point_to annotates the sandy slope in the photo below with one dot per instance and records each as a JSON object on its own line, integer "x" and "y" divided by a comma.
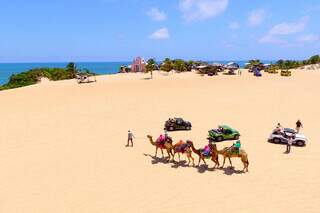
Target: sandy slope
{"x": 62, "y": 145}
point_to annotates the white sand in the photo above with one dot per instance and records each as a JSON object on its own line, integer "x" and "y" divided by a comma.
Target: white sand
{"x": 62, "y": 145}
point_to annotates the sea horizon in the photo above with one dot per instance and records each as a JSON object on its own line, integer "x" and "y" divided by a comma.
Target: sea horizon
{"x": 102, "y": 68}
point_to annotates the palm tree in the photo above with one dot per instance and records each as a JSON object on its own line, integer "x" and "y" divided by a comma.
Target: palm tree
{"x": 151, "y": 65}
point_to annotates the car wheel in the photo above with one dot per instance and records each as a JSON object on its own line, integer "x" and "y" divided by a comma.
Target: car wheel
{"x": 300, "y": 143}
{"x": 236, "y": 137}
{"x": 276, "y": 140}
{"x": 171, "y": 128}
{"x": 220, "y": 138}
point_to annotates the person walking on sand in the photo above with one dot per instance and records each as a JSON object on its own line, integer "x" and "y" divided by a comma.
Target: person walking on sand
{"x": 289, "y": 144}
{"x": 130, "y": 138}
{"x": 298, "y": 126}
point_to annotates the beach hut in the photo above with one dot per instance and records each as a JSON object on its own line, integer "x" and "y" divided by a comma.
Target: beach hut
{"x": 138, "y": 65}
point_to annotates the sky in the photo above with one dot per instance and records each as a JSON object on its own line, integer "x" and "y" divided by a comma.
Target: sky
{"x": 119, "y": 30}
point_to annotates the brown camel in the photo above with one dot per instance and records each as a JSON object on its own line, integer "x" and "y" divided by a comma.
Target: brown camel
{"x": 228, "y": 153}
{"x": 184, "y": 148}
{"x": 198, "y": 152}
{"x": 167, "y": 145}
{"x": 214, "y": 155}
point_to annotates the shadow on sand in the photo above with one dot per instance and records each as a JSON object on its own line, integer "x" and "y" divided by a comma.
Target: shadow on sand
{"x": 200, "y": 169}
{"x": 156, "y": 160}
{"x": 230, "y": 171}
{"x": 146, "y": 78}
{"x": 182, "y": 163}
{"x": 203, "y": 168}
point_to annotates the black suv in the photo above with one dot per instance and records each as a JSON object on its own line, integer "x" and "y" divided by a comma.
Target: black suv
{"x": 177, "y": 124}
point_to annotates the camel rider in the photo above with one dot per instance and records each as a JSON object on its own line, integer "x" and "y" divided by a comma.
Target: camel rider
{"x": 237, "y": 146}
{"x": 206, "y": 151}
{"x": 165, "y": 133}
{"x": 161, "y": 139}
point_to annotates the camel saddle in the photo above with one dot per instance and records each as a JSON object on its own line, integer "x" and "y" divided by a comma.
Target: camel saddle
{"x": 182, "y": 147}
{"x": 161, "y": 141}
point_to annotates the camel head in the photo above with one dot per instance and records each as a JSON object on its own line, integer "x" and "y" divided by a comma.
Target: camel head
{"x": 149, "y": 136}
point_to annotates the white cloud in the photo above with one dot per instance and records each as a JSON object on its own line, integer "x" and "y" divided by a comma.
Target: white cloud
{"x": 156, "y": 15}
{"x": 162, "y": 33}
{"x": 286, "y": 28}
{"x": 272, "y": 40}
{"x": 234, "y": 25}
{"x": 193, "y": 10}
{"x": 308, "y": 38}
{"x": 256, "y": 17}
{"x": 283, "y": 29}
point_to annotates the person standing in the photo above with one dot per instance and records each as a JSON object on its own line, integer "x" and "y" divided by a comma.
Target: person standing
{"x": 298, "y": 126}
{"x": 279, "y": 128}
{"x": 289, "y": 144}
{"x": 130, "y": 138}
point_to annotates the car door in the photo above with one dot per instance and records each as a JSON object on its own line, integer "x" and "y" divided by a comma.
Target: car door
{"x": 228, "y": 134}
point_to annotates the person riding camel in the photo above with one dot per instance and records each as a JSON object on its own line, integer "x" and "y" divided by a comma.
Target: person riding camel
{"x": 206, "y": 151}
{"x": 237, "y": 145}
{"x": 161, "y": 140}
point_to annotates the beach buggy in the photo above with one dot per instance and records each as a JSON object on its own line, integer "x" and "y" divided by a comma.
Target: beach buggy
{"x": 177, "y": 124}
{"x": 277, "y": 136}
{"x": 223, "y": 132}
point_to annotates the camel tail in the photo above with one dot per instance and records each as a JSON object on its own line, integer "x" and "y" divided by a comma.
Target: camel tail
{"x": 247, "y": 162}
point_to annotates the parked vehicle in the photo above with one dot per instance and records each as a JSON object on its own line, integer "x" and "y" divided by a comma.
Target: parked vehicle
{"x": 299, "y": 139}
{"x": 223, "y": 132}
{"x": 285, "y": 73}
{"x": 177, "y": 124}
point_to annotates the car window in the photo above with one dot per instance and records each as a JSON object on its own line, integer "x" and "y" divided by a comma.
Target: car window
{"x": 227, "y": 131}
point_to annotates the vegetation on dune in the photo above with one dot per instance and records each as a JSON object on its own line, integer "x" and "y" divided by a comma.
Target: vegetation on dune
{"x": 167, "y": 65}
{"x": 32, "y": 76}
{"x": 288, "y": 64}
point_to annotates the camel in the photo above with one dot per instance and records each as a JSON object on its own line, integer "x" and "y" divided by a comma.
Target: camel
{"x": 214, "y": 157}
{"x": 183, "y": 147}
{"x": 227, "y": 153}
{"x": 167, "y": 145}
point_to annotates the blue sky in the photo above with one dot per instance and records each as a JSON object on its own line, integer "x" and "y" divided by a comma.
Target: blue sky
{"x": 114, "y": 30}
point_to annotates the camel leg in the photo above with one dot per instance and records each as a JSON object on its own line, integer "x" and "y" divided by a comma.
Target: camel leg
{"x": 156, "y": 152}
{"x": 169, "y": 155}
{"x": 205, "y": 163}
{"x": 199, "y": 160}
{"x": 162, "y": 153}
{"x": 179, "y": 156}
{"x": 192, "y": 160}
{"x": 188, "y": 159}
{"x": 217, "y": 162}
{"x": 173, "y": 156}
{"x": 224, "y": 161}
{"x": 230, "y": 161}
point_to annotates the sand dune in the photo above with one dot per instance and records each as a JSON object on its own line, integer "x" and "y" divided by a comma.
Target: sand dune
{"x": 62, "y": 144}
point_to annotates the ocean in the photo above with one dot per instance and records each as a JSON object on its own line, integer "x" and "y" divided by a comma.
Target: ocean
{"x": 7, "y": 69}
